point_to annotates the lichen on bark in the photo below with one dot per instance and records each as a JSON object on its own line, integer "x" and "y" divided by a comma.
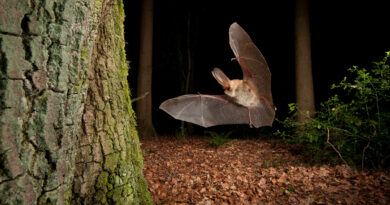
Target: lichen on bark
{"x": 52, "y": 53}
{"x": 108, "y": 123}
{"x": 40, "y": 113}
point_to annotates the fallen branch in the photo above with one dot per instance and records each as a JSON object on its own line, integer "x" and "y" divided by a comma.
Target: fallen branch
{"x": 139, "y": 98}
{"x": 327, "y": 140}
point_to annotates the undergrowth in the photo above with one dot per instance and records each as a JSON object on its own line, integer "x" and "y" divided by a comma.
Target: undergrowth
{"x": 218, "y": 139}
{"x": 352, "y": 126}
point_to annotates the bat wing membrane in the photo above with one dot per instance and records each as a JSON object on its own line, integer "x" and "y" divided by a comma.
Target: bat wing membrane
{"x": 252, "y": 62}
{"x": 212, "y": 110}
{"x": 205, "y": 110}
{"x": 262, "y": 115}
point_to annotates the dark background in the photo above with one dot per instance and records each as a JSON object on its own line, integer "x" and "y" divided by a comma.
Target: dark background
{"x": 342, "y": 35}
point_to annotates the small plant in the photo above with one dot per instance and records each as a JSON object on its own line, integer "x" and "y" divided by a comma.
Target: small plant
{"x": 218, "y": 139}
{"x": 290, "y": 189}
{"x": 353, "y": 125}
{"x": 181, "y": 133}
{"x": 273, "y": 162}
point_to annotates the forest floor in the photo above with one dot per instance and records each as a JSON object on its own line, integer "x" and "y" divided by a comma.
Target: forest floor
{"x": 250, "y": 171}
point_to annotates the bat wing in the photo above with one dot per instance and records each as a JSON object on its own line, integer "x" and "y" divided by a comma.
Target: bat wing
{"x": 211, "y": 110}
{"x": 262, "y": 115}
{"x": 254, "y": 67}
{"x": 206, "y": 110}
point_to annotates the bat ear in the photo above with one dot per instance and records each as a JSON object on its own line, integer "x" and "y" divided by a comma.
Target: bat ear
{"x": 221, "y": 78}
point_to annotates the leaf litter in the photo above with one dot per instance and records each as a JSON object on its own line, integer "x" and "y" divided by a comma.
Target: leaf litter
{"x": 250, "y": 171}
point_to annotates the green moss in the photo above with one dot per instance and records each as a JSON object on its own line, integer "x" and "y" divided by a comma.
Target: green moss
{"x": 101, "y": 197}
{"x": 67, "y": 196}
{"x": 122, "y": 181}
{"x": 99, "y": 5}
{"x": 111, "y": 162}
{"x": 84, "y": 53}
{"x": 117, "y": 196}
{"x": 102, "y": 180}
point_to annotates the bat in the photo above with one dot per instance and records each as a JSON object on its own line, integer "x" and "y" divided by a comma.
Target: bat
{"x": 246, "y": 101}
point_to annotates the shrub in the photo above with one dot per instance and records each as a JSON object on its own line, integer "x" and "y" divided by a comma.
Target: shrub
{"x": 353, "y": 125}
{"x": 218, "y": 139}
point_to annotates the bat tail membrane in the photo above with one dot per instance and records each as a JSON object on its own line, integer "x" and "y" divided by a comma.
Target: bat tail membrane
{"x": 221, "y": 78}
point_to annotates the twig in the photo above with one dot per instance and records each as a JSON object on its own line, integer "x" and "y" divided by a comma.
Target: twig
{"x": 364, "y": 150}
{"x": 139, "y": 98}
{"x": 341, "y": 157}
{"x": 365, "y": 147}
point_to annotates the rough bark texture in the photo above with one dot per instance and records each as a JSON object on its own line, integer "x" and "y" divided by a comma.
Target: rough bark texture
{"x": 303, "y": 72}
{"x": 144, "y": 84}
{"x": 48, "y": 59}
{"x": 109, "y": 139}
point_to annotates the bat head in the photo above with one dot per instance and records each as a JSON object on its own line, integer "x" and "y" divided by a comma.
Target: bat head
{"x": 242, "y": 93}
{"x": 233, "y": 87}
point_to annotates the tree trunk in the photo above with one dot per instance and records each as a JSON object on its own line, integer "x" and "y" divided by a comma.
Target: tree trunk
{"x": 186, "y": 127}
{"x": 67, "y": 131}
{"x": 144, "y": 84}
{"x": 303, "y": 69}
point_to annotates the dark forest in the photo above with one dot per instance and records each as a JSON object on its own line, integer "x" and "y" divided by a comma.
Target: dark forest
{"x": 343, "y": 34}
{"x": 82, "y": 83}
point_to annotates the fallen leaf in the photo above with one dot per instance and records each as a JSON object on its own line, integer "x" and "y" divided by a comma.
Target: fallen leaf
{"x": 191, "y": 172}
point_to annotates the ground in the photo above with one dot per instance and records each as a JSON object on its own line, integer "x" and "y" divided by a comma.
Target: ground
{"x": 249, "y": 171}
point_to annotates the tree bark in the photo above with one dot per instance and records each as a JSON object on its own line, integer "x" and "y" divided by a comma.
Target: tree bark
{"x": 144, "y": 84}
{"x": 67, "y": 131}
{"x": 303, "y": 68}
{"x": 187, "y": 128}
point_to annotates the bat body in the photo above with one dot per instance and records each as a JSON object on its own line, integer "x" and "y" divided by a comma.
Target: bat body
{"x": 246, "y": 101}
{"x": 241, "y": 92}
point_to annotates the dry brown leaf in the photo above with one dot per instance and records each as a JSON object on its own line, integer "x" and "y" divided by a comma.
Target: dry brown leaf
{"x": 283, "y": 178}
{"x": 233, "y": 187}
{"x": 193, "y": 172}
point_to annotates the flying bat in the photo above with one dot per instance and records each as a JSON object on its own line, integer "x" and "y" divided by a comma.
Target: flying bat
{"x": 246, "y": 101}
